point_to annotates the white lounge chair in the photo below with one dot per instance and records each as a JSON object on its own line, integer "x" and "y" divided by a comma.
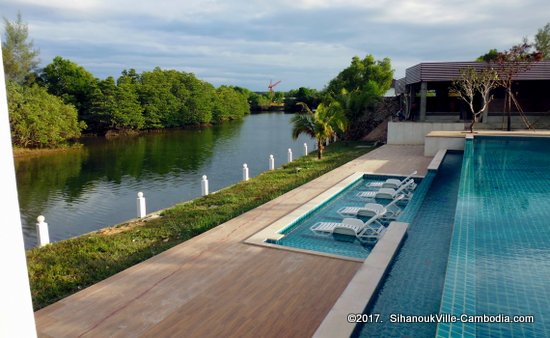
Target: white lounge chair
{"x": 389, "y": 193}
{"x": 368, "y": 231}
{"x": 389, "y": 211}
{"x": 391, "y": 182}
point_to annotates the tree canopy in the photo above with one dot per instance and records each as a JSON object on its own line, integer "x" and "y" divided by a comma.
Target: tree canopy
{"x": 230, "y": 104}
{"x": 361, "y": 73}
{"x": 116, "y": 107}
{"x": 359, "y": 89}
{"x": 149, "y": 100}
{"x": 491, "y": 55}
{"x": 508, "y": 64}
{"x": 74, "y": 84}
{"x": 18, "y": 53}
{"x": 542, "y": 41}
{"x": 39, "y": 119}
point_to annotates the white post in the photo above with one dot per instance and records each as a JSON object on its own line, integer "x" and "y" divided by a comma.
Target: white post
{"x": 204, "y": 185}
{"x": 42, "y": 231}
{"x": 289, "y": 155}
{"x": 16, "y": 313}
{"x": 334, "y": 138}
{"x": 245, "y": 172}
{"x": 271, "y": 162}
{"x": 327, "y": 141}
{"x": 141, "y": 211}
{"x": 305, "y": 149}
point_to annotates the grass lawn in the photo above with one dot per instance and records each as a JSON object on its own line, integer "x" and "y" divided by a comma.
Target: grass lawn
{"x": 62, "y": 268}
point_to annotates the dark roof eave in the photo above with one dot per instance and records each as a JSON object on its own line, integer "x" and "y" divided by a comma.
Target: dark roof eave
{"x": 449, "y": 71}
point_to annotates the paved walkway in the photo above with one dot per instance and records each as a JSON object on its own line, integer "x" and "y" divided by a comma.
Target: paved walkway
{"x": 214, "y": 285}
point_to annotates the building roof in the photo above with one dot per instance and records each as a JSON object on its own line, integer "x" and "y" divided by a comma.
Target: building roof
{"x": 450, "y": 71}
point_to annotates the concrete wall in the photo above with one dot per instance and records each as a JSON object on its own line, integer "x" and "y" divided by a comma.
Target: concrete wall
{"x": 414, "y": 132}
{"x": 434, "y": 144}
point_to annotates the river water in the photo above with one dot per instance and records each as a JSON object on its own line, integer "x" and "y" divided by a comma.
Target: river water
{"x": 88, "y": 189}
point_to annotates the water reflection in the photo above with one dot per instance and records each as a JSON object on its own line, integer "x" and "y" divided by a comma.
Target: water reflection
{"x": 86, "y": 189}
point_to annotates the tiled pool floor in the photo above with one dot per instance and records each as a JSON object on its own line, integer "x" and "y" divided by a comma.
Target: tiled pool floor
{"x": 499, "y": 260}
{"x": 415, "y": 282}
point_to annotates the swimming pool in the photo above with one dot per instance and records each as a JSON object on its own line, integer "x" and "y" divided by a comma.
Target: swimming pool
{"x": 499, "y": 259}
{"x": 414, "y": 282}
{"x": 299, "y": 235}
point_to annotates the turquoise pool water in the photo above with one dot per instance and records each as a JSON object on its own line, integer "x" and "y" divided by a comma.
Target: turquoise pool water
{"x": 414, "y": 283}
{"x": 499, "y": 259}
{"x": 299, "y": 235}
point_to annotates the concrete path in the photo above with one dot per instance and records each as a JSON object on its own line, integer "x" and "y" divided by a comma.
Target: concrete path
{"x": 214, "y": 285}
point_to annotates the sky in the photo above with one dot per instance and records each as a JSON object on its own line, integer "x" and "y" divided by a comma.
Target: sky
{"x": 247, "y": 43}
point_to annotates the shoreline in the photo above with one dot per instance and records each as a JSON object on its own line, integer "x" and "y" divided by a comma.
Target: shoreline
{"x": 23, "y": 153}
{"x": 20, "y": 153}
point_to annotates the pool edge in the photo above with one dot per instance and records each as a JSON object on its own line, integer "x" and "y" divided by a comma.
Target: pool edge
{"x": 363, "y": 285}
{"x": 274, "y": 231}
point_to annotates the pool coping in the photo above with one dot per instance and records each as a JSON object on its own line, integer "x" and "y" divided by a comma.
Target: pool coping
{"x": 438, "y": 158}
{"x": 272, "y": 231}
{"x": 487, "y": 132}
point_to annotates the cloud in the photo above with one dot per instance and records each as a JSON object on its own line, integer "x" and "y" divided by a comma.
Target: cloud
{"x": 79, "y": 6}
{"x": 247, "y": 43}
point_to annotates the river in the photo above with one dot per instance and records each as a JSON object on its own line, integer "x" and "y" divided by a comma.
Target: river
{"x": 83, "y": 190}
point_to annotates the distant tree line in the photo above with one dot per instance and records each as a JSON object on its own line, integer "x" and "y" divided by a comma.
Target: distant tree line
{"x": 309, "y": 96}
{"x": 57, "y": 103}
{"x": 150, "y": 100}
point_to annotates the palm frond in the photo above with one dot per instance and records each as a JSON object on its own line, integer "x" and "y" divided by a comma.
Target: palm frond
{"x": 302, "y": 124}
{"x": 321, "y": 124}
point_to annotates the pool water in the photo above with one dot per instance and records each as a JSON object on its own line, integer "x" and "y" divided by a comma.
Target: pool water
{"x": 299, "y": 235}
{"x": 499, "y": 260}
{"x": 414, "y": 283}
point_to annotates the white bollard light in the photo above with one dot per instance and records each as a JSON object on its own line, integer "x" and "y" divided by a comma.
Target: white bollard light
{"x": 204, "y": 185}
{"x": 141, "y": 210}
{"x": 289, "y": 155}
{"x": 271, "y": 162}
{"x": 245, "y": 172}
{"x": 42, "y": 231}
{"x": 305, "y": 149}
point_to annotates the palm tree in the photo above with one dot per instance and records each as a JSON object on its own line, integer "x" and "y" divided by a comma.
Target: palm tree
{"x": 321, "y": 124}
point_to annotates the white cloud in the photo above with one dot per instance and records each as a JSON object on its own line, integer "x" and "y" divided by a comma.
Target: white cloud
{"x": 302, "y": 42}
{"x": 80, "y": 5}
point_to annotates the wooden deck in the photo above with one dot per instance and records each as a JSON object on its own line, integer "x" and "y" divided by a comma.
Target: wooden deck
{"x": 214, "y": 285}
